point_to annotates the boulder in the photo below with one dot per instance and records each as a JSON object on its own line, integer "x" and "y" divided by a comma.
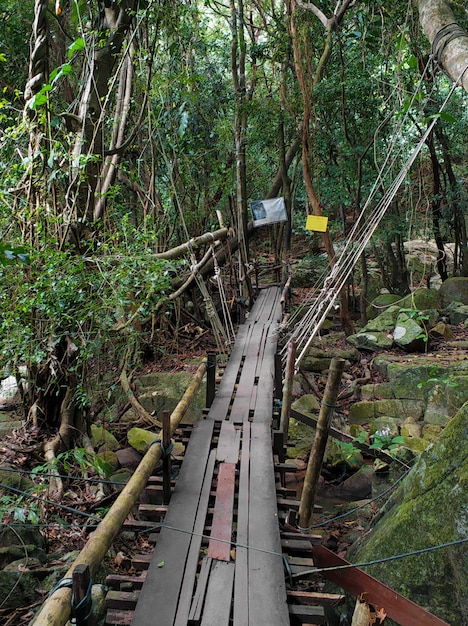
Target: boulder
{"x": 102, "y": 439}
{"x": 457, "y": 313}
{"x": 385, "y": 321}
{"x": 412, "y": 520}
{"x": 372, "y": 341}
{"x": 454, "y": 290}
{"x": 380, "y": 304}
{"x": 410, "y": 335}
{"x": 140, "y": 439}
{"x": 422, "y": 299}
{"x": 365, "y": 411}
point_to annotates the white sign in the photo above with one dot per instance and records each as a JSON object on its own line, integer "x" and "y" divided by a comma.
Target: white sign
{"x": 268, "y": 212}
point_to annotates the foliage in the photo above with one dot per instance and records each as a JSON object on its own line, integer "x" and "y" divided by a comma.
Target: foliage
{"x": 380, "y": 440}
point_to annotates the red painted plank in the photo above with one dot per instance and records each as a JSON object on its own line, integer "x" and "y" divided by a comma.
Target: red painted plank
{"x": 355, "y": 581}
{"x": 222, "y": 517}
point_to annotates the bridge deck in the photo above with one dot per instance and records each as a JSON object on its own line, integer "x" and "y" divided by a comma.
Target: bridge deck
{"x": 218, "y": 560}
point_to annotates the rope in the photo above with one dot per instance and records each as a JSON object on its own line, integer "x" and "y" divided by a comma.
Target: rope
{"x": 315, "y": 569}
{"x": 447, "y": 33}
{"x": 165, "y": 452}
{"x": 355, "y": 245}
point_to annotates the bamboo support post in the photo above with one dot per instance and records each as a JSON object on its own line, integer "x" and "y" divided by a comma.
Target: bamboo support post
{"x": 56, "y": 609}
{"x": 166, "y": 469}
{"x": 317, "y": 453}
{"x": 287, "y": 391}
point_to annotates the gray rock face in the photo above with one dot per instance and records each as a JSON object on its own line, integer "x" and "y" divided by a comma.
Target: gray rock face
{"x": 412, "y": 521}
{"x": 409, "y": 335}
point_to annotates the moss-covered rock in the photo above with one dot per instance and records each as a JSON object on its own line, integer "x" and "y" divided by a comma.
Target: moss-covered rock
{"x": 365, "y": 411}
{"x": 372, "y": 341}
{"x": 422, "y": 299}
{"x": 385, "y": 321}
{"x": 140, "y": 439}
{"x": 454, "y": 290}
{"x": 162, "y": 391}
{"x": 381, "y": 303}
{"x": 409, "y": 334}
{"x": 412, "y": 521}
{"x": 102, "y": 439}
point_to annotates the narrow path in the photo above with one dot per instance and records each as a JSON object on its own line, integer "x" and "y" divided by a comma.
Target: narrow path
{"x": 236, "y": 576}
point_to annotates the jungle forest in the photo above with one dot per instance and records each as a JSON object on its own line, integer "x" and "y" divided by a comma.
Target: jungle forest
{"x": 136, "y": 134}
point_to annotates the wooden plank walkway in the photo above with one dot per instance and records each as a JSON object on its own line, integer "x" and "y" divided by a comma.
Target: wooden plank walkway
{"x": 218, "y": 559}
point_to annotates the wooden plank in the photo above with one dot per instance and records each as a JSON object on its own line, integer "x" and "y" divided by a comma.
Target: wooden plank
{"x": 218, "y": 599}
{"x": 302, "y": 614}
{"x": 118, "y": 618}
{"x": 125, "y": 600}
{"x": 241, "y": 579}
{"x": 221, "y": 527}
{"x": 267, "y": 589}
{"x": 228, "y": 444}
{"x": 356, "y": 581}
{"x": 314, "y": 598}
{"x": 165, "y": 574}
{"x": 196, "y": 608}
{"x": 117, "y": 581}
{"x": 186, "y": 591}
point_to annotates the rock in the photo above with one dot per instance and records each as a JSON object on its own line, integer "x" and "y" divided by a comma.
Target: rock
{"x": 109, "y": 457}
{"x": 18, "y": 588}
{"x": 21, "y": 535}
{"x": 363, "y": 412}
{"x": 441, "y": 330}
{"x": 103, "y": 439}
{"x": 307, "y": 403}
{"x": 422, "y": 299}
{"x": 129, "y": 458}
{"x": 140, "y": 439}
{"x": 457, "y": 313}
{"x": 377, "y": 390}
{"x": 414, "y": 380}
{"x": 409, "y": 335}
{"x": 373, "y": 342}
{"x": 454, "y": 290}
{"x": 9, "y": 396}
{"x": 412, "y": 520}
{"x": 162, "y": 391}
{"x": 120, "y": 479}
{"x": 11, "y": 478}
{"x": 12, "y": 553}
{"x": 380, "y": 304}
{"x": 357, "y": 487}
{"x": 383, "y": 322}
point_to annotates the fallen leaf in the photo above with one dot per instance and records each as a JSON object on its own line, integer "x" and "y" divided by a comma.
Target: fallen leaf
{"x": 161, "y": 564}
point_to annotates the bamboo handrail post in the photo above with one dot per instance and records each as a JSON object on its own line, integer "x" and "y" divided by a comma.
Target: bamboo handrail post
{"x": 166, "y": 469}
{"x": 287, "y": 391}
{"x": 317, "y": 453}
{"x": 57, "y": 608}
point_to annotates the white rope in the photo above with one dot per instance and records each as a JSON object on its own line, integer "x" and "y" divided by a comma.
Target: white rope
{"x": 355, "y": 245}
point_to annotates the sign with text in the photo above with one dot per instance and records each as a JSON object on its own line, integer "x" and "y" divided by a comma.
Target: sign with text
{"x": 268, "y": 212}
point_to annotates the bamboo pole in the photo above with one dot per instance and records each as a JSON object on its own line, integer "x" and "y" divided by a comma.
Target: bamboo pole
{"x": 317, "y": 453}
{"x": 57, "y": 608}
{"x": 287, "y": 391}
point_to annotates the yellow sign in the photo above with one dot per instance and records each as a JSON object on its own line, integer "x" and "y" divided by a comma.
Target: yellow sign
{"x": 317, "y": 222}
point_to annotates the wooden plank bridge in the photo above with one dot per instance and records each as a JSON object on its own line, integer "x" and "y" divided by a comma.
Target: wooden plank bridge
{"x": 220, "y": 548}
{"x": 218, "y": 553}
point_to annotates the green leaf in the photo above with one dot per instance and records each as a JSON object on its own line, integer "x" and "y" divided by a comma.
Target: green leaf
{"x": 76, "y": 46}
{"x": 448, "y": 118}
{"x": 161, "y": 564}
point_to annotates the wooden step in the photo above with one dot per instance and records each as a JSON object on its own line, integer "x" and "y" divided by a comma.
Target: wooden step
{"x": 302, "y": 614}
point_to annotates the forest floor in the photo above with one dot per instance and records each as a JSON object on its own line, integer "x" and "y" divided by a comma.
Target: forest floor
{"x": 193, "y": 344}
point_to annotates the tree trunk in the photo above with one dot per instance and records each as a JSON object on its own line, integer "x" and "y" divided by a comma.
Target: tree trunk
{"x": 448, "y": 40}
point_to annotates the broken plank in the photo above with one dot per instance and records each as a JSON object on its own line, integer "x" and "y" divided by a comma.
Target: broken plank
{"x": 188, "y": 583}
{"x": 315, "y": 598}
{"x": 196, "y": 608}
{"x": 218, "y": 599}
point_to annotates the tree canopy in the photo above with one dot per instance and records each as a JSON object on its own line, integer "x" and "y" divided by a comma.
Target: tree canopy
{"x": 129, "y": 128}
